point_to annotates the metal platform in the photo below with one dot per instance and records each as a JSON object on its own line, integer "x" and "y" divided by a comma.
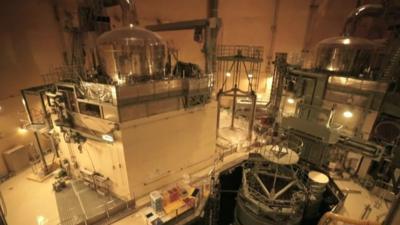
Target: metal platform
{"x": 79, "y": 204}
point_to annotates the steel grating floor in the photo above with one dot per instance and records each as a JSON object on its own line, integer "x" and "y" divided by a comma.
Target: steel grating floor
{"x": 69, "y": 210}
{"x": 78, "y": 203}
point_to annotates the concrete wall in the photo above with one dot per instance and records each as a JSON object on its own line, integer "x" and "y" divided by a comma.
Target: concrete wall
{"x": 31, "y": 41}
{"x": 10, "y": 134}
{"x": 29, "y": 45}
{"x": 161, "y": 148}
{"x": 104, "y": 158}
{"x": 249, "y": 23}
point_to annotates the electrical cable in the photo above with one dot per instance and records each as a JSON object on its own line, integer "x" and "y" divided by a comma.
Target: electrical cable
{"x": 90, "y": 158}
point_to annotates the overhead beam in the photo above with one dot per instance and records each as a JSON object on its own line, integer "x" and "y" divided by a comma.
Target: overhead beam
{"x": 182, "y": 25}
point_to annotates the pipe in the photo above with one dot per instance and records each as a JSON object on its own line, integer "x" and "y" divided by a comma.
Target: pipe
{"x": 129, "y": 12}
{"x": 336, "y": 217}
{"x": 394, "y": 212}
{"x": 368, "y": 10}
{"x": 309, "y": 25}
{"x": 273, "y": 34}
{"x": 211, "y": 34}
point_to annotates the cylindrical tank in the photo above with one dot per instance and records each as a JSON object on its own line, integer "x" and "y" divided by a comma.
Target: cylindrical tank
{"x": 132, "y": 54}
{"x": 318, "y": 182}
{"x": 346, "y": 56}
{"x": 317, "y": 186}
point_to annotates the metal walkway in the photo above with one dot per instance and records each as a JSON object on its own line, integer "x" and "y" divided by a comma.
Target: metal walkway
{"x": 79, "y": 204}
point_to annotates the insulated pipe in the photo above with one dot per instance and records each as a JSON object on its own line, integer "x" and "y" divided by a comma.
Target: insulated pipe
{"x": 371, "y": 10}
{"x": 309, "y": 25}
{"x": 273, "y": 28}
{"x": 394, "y": 212}
{"x": 129, "y": 12}
{"x": 211, "y": 35}
{"x": 335, "y": 217}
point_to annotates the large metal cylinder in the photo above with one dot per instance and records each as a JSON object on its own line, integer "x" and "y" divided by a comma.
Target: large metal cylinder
{"x": 347, "y": 56}
{"x": 130, "y": 53}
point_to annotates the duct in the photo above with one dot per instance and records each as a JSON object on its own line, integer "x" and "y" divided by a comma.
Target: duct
{"x": 371, "y": 10}
{"x": 365, "y": 148}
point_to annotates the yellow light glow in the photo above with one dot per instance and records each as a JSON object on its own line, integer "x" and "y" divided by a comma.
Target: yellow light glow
{"x": 41, "y": 220}
{"x": 290, "y": 100}
{"x": 228, "y": 74}
{"x": 268, "y": 85}
{"x": 108, "y": 137}
{"x": 120, "y": 81}
{"x": 330, "y": 68}
{"x": 343, "y": 80}
{"x": 346, "y": 41}
{"x": 348, "y": 114}
{"x": 22, "y": 130}
{"x": 250, "y": 75}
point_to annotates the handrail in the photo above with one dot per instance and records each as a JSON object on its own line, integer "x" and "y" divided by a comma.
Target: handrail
{"x": 336, "y": 217}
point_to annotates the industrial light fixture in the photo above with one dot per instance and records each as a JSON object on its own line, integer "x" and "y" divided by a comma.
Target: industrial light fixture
{"x": 346, "y": 41}
{"x": 22, "y": 130}
{"x": 107, "y": 137}
{"x": 347, "y": 114}
{"x": 120, "y": 80}
{"x": 250, "y": 76}
{"x": 228, "y": 74}
{"x": 290, "y": 101}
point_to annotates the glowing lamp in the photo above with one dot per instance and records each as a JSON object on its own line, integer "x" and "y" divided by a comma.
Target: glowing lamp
{"x": 107, "y": 137}
{"x": 346, "y": 41}
{"x": 348, "y": 114}
{"x": 22, "y": 130}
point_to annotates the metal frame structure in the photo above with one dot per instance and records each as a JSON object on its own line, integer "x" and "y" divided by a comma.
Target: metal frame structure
{"x": 272, "y": 190}
{"x": 237, "y": 63}
{"x": 251, "y": 56}
{"x": 36, "y": 127}
{"x": 210, "y": 25}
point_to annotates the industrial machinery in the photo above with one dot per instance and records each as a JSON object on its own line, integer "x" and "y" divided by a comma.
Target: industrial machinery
{"x": 279, "y": 189}
{"x": 342, "y": 100}
{"x": 124, "y": 126}
{"x": 343, "y": 110}
{"x": 105, "y": 120}
{"x": 236, "y": 61}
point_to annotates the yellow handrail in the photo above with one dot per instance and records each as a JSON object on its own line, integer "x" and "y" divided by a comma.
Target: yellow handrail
{"x": 337, "y": 217}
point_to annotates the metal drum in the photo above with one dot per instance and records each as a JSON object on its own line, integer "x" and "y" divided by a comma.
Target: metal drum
{"x": 318, "y": 182}
{"x": 317, "y": 186}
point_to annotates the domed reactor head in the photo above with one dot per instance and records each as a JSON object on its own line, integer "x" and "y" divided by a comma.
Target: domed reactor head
{"x": 132, "y": 54}
{"x": 347, "y": 56}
